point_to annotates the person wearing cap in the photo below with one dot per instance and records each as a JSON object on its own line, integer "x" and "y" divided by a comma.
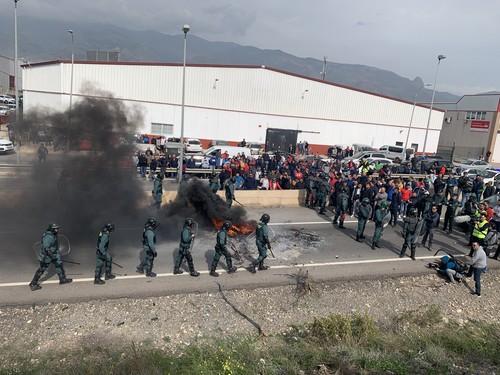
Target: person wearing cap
{"x": 481, "y": 228}
{"x": 49, "y": 254}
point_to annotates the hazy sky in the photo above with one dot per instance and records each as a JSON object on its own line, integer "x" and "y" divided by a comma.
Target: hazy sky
{"x": 402, "y": 36}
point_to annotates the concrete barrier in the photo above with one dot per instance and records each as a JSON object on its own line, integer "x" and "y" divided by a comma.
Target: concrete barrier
{"x": 257, "y": 198}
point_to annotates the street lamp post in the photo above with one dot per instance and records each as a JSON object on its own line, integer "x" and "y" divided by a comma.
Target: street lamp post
{"x": 185, "y": 29}
{"x": 71, "y": 82}
{"x": 413, "y": 112}
{"x": 440, "y": 57}
{"x": 16, "y": 90}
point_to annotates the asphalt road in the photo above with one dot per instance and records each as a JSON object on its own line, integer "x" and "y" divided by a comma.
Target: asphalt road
{"x": 301, "y": 239}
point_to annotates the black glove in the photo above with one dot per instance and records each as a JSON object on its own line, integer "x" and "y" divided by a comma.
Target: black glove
{"x": 155, "y": 254}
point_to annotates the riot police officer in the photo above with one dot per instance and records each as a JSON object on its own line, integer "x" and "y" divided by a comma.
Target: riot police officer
{"x": 103, "y": 258}
{"x": 187, "y": 238}
{"x": 214, "y": 183}
{"x": 149, "y": 248}
{"x": 229, "y": 191}
{"x": 378, "y": 218}
{"x": 364, "y": 214}
{"x": 262, "y": 242}
{"x": 221, "y": 249}
{"x": 411, "y": 229}
{"x": 158, "y": 190}
{"x": 342, "y": 205}
{"x": 49, "y": 254}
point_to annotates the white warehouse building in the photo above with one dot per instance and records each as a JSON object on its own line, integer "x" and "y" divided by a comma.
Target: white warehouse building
{"x": 232, "y": 102}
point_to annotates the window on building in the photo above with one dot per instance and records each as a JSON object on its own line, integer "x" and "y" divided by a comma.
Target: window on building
{"x": 162, "y": 129}
{"x": 475, "y": 116}
{"x": 399, "y": 143}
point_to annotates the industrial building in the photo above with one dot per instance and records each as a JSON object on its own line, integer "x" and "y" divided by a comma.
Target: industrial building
{"x": 470, "y": 127}
{"x": 232, "y": 102}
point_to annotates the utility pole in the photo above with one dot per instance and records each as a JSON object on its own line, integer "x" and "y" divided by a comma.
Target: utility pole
{"x": 323, "y": 72}
{"x": 185, "y": 30}
{"x": 16, "y": 78}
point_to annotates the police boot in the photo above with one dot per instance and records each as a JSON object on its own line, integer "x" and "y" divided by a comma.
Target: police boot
{"x": 99, "y": 281}
{"x": 150, "y": 274}
{"x": 192, "y": 271}
{"x": 252, "y": 267}
{"x": 109, "y": 276}
{"x": 178, "y": 271}
{"x": 373, "y": 245}
{"x": 403, "y": 251}
{"x": 262, "y": 267}
{"x": 34, "y": 285}
{"x": 63, "y": 279}
{"x": 213, "y": 272}
{"x": 358, "y": 238}
{"x": 413, "y": 248}
{"x": 139, "y": 270}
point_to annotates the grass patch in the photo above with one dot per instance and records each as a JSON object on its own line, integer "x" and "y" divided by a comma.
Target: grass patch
{"x": 418, "y": 342}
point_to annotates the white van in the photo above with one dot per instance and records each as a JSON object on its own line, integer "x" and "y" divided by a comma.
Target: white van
{"x": 394, "y": 152}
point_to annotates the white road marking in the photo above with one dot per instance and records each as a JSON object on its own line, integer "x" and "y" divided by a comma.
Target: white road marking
{"x": 309, "y": 223}
{"x": 306, "y": 265}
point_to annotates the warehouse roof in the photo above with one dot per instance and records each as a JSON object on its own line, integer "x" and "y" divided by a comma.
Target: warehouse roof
{"x": 146, "y": 63}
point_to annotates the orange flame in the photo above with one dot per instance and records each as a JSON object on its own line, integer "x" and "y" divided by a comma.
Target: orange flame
{"x": 236, "y": 229}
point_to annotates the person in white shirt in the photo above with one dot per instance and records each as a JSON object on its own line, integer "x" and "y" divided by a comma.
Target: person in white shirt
{"x": 477, "y": 267}
{"x": 264, "y": 183}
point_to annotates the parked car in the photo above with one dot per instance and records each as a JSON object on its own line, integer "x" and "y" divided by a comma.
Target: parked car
{"x": 174, "y": 140}
{"x": 6, "y": 146}
{"x": 489, "y": 175}
{"x": 255, "y": 148}
{"x": 4, "y": 110}
{"x": 472, "y": 164}
{"x": 6, "y": 99}
{"x": 217, "y": 142}
{"x": 383, "y": 161}
{"x": 192, "y": 145}
{"x": 394, "y": 152}
{"x": 356, "y": 158}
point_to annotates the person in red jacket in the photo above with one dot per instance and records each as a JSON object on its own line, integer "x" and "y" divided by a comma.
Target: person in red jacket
{"x": 405, "y": 197}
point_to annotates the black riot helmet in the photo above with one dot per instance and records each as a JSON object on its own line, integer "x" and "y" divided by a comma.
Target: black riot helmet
{"x": 227, "y": 224}
{"x": 265, "y": 218}
{"x": 109, "y": 227}
{"x": 159, "y": 176}
{"x": 188, "y": 222}
{"x": 412, "y": 211}
{"x": 152, "y": 223}
{"x": 54, "y": 228}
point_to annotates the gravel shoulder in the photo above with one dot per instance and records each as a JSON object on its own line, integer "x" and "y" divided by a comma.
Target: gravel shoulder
{"x": 170, "y": 321}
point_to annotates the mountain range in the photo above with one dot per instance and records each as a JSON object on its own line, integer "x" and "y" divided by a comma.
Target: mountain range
{"x": 41, "y": 39}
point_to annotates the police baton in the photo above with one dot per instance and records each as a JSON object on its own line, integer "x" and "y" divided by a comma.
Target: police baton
{"x": 241, "y": 204}
{"x": 71, "y": 262}
{"x": 117, "y": 265}
{"x": 271, "y": 251}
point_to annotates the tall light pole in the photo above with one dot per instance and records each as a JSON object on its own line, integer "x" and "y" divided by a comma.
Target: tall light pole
{"x": 71, "y": 79}
{"x": 185, "y": 29}
{"x": 413, "y": 112}
{"x": 16, "y": 86}
{"x": 440, "y": 57}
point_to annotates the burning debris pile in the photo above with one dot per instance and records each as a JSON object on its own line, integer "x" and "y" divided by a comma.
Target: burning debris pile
{"x": 195, "y": 199}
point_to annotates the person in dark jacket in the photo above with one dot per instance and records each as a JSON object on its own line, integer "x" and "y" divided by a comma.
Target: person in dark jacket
{"x": 449, "y": 215}
{"x": 395, "y": 206}
{"x": 489, "y": 190}
{"x": 478, "y": 187}
{"x": 431, "y": 221}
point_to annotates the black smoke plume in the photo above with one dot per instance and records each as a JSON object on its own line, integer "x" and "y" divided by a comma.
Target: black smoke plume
{"x": 81, "y": 191}
{"x": 196, "y": 200}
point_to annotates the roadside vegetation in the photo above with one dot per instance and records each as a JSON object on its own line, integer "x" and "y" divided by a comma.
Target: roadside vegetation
{"x": 420, "y": 342}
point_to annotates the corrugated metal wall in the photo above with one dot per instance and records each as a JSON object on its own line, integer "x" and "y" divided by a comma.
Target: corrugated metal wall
{"x": 221, "y": 94}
